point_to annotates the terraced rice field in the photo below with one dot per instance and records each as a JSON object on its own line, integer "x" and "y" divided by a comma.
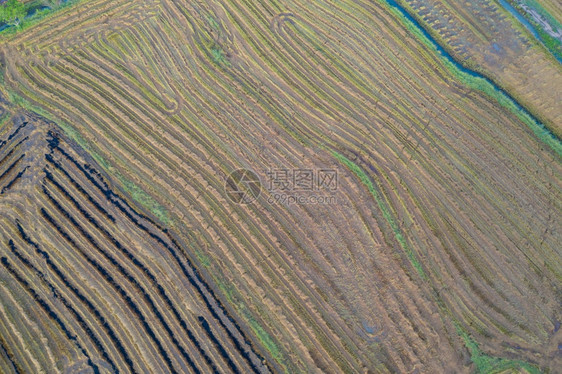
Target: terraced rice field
{"x": 79, "y": 232}
{"x": 438, "y": 252}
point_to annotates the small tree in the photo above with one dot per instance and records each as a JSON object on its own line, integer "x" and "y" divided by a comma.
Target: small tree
{"x": 12, "y": 12}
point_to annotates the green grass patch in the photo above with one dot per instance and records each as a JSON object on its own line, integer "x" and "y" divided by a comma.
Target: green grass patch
{"x": 143, "y": 198}
{"x": 4, "y": 118}
{"x": 218, "y": 55}
{"x": 213, "y": 23}
{"x": 12, "y": 12}
{"x": 203, "y": 258}
{"x": 264, "y": 338}
{"x": 24, "y": 22}
{"x": 486, "y": 364}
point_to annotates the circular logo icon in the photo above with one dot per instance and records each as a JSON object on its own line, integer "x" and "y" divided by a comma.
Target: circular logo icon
{"x": 243, "y": 186}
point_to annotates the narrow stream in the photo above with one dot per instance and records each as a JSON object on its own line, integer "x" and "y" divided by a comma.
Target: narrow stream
{"x": 448, "y": 56}
{"x": 520, "y": 18}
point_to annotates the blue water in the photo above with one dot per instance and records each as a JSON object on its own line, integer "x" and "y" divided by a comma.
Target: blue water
{"x": 463, "y": 68}
{"x": 520, "y": 18}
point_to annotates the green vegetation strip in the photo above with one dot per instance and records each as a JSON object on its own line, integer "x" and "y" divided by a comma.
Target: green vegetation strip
{"x": 483, "y": 363}
{"x": 136, "y": 192}
{"x": 263, "y": 336}
{"x": 364, "y": 178}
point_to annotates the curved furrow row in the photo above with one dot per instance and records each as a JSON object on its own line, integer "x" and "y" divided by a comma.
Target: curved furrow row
{"x": 47, "y": 310}
{"x": 438, "y": 216}
{"x": 123, "y": 209}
